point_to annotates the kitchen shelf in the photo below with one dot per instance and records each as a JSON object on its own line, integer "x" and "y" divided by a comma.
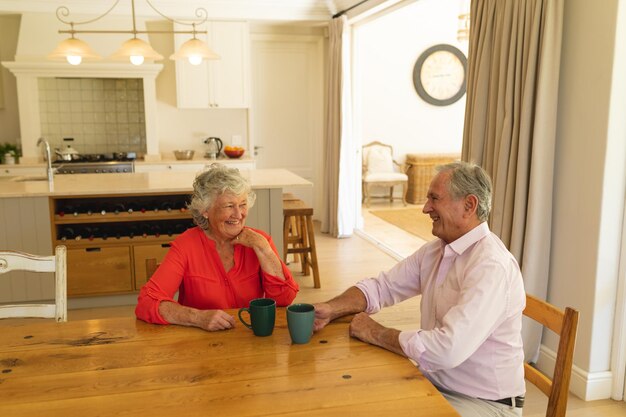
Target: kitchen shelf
{"x": 124, "y": 240}
{"x": 107, "y": 253}
{"x": 121, "y": 217}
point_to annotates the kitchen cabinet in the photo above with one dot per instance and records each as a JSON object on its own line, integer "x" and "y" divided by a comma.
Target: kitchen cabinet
{"x": 99, "y": 270}
{"x": 169, "y": 167}
{"x": 222, "y": 83}
{"x": 109, "y": 238}
{"x": 17, "y": 170}
{"x": 107, "y": 249}
{"x": 193, "y": 166}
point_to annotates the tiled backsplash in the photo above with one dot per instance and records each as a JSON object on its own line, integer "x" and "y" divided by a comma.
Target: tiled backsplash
{"x": 101, "y": 114}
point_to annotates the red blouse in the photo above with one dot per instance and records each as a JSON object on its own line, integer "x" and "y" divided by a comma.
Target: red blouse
{"x": 193, "y": 267}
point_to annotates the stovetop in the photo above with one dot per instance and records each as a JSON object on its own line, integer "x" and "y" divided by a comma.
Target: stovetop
{"x": 98, "y": 157}
{"x": 99, "y": 167}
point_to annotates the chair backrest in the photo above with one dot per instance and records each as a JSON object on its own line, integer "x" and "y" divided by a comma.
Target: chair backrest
{"x": 151, "y": 267}
{"x": 377, "y": 157}
{"x": 20, "y": 261}
{"x": 564, "y": 324}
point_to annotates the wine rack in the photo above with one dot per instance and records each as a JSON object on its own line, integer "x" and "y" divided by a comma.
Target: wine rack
{"x": 109, "y": 238}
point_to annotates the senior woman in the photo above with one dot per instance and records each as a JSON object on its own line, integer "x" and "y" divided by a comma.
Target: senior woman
{"x": 219, "y": 264}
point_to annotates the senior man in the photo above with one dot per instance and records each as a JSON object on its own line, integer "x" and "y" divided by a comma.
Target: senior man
{"x": 469, "y": 344}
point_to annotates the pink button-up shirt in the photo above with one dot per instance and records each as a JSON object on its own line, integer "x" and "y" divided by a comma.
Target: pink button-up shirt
{"x": 471, "y": 313}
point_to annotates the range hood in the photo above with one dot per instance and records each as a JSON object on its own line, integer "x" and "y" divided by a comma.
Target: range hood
{"x": 28, "y": 74}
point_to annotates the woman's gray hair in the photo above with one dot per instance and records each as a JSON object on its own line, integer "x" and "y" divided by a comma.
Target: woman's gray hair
{"x": 466, "y": 179}
{"x": 212, "y": 183}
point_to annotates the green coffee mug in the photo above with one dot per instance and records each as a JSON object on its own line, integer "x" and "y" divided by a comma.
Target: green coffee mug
{"x": 262, "y": 313}
{"x": 300, "y": 318}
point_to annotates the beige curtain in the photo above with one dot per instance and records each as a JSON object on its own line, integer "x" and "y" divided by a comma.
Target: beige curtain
{"x": 332, "y": 135}
{"x": 510, "y": 125}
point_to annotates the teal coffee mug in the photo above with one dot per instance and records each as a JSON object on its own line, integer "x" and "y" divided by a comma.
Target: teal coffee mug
{"x": 300, "y": 318}
{"x": 262, "y": 313}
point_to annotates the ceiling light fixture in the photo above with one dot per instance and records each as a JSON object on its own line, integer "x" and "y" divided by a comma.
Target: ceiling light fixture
{"x": 135, "y": 50}
{"x": 462, "y": 33}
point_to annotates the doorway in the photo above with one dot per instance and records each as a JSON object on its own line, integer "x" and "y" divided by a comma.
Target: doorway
{"x": 287, "y": 120}
{"x": 386, "y": 105}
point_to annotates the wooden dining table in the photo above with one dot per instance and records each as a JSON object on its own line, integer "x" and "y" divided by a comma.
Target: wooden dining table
{"x": 125, "y": 367}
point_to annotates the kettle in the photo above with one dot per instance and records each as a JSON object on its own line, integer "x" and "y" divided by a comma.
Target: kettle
{"x": 214, "y": 147}
{"x": 69, "y": 153}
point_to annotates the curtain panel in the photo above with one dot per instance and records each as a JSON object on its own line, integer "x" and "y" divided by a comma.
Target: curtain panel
{"x": 510, "y": 127}
{"x": 332, "y": 135}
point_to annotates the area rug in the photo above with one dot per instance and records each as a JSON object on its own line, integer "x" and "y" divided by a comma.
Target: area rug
{"x": 411, "y": 220}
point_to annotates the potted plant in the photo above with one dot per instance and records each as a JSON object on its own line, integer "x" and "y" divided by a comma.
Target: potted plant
{"x": 9, "y": 152}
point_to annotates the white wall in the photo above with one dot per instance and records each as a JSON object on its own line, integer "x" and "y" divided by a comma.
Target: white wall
{"x": 385, "y": 53}
{"x": 589, "y": 184}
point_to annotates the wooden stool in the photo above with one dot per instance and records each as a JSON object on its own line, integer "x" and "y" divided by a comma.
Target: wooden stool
{"x": 299, "y": 237}
{"x": 293, "y": 228}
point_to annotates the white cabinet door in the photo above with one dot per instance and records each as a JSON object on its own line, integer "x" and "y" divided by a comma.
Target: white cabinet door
{"x": 169, "y": 167}
{"x": 16, "y": 170}
{"x": 222, "y": 83}
{"x": 229, "y": 77}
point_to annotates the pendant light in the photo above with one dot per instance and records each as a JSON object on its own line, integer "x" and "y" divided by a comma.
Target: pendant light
{"x": 195, "y": 51}
{"x": 74, "y": 51}
{"x": 134, "y": 50}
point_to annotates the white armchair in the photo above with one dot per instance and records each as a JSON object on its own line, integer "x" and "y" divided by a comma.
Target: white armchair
{"x": 381, "y": 170}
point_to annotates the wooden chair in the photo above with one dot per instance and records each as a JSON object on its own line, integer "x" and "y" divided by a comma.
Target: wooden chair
{"x": 151, "y": 267}
{"x": 299, "y": 236}
{"x": 20, "y": 261}
{"x": 381, "y": 170}
{"x": 564, "y": 324}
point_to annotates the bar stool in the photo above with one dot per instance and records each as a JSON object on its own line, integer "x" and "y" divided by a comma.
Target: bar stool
{"x": 293, "y": 231}
{"x": 298, "y": 236}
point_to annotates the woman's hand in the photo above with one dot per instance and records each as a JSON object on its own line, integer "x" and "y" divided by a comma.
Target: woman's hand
{"x": 268, "y": 259}
{"x": 252, "y": 239}
{"x": 210, "y": 320}
{"x": 213, "y": 320}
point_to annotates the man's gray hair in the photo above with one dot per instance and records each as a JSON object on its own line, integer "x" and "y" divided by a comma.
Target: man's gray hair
{"x": 212, "y": 183}
{"x": 470, "y": 179}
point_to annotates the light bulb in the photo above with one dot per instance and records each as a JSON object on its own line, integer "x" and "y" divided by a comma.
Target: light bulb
{"x": 136, "y": 59}
{"x": 74, "y": 59}
{"x": 195, "y": 59}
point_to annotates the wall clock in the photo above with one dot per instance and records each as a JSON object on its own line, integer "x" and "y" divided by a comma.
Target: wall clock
{"x": 439, "y": 75}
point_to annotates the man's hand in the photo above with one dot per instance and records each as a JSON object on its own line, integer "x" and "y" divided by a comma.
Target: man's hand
{"x": 364, "y": 328}
{"x": 323, "y": 315}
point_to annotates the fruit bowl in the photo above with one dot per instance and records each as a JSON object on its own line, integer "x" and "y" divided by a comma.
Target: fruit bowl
{"x": 233, "y": 151}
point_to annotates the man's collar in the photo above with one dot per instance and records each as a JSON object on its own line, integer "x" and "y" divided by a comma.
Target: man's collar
{"x": 468, "y": 239}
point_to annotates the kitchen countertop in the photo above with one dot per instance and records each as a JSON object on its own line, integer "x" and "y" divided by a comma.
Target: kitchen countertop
{"x": 136, "y": 183}
{"x": 196, "y": 160}
{"x": 164, "y": 161}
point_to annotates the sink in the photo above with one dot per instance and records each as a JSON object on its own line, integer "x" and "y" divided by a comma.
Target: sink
{"x": 25, "y": 178}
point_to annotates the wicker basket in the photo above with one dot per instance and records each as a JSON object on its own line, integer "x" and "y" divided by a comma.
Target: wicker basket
{"x": 421, "y": 170}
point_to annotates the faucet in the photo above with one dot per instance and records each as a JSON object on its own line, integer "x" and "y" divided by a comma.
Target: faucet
{"x": 49, "y": 172}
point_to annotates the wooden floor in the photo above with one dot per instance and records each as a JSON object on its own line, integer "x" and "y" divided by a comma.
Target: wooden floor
{"x": 345, "y": 261}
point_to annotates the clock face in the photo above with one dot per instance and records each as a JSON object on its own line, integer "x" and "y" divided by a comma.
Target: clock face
{"x": 439, "y": 75}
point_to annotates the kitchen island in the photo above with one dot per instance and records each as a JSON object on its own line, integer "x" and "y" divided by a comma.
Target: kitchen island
{"x": 112, "y": 224}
